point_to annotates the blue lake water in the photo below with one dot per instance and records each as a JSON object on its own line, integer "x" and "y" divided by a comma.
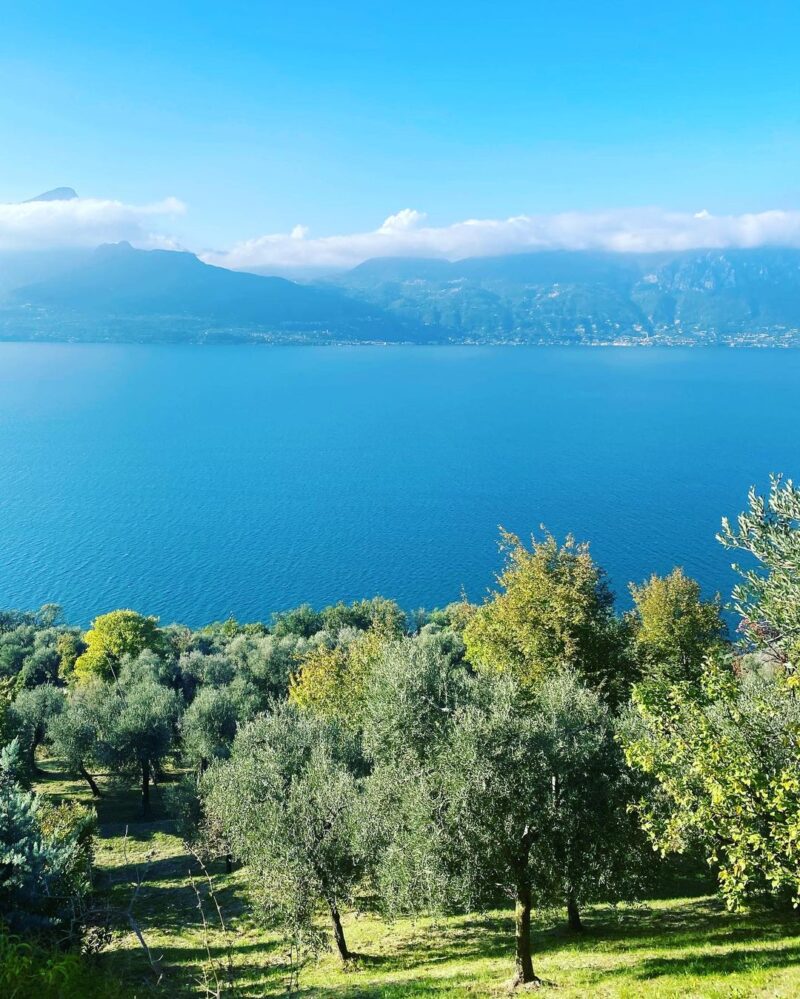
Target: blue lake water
{"x": 198, "y": 482}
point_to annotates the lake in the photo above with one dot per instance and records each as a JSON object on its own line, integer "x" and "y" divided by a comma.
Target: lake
{"x": 198, "y": 482}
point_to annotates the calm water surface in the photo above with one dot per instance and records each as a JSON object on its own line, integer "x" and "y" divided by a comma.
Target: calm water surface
{"x": 198, "y": 482}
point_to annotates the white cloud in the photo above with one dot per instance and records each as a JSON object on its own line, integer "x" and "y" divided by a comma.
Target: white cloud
{"x": 90, "y": 221}
{"x": 404, "y": 234}
{"x": 406, "y": 219}
{"x": 83, "y": 222}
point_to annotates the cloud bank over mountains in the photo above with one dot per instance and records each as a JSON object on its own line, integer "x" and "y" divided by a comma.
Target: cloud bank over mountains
{"x": 85, "y": 222}
{"x": 406, "y": 234}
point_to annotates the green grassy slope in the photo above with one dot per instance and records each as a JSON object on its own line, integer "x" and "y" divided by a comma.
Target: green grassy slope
{"x": 684, "y": 944}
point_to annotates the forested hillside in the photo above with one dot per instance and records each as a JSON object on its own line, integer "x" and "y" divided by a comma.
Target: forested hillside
{"x": 120, "y": 294}
{"x": 359, "y": 800}
{"x": 695, "y": 296}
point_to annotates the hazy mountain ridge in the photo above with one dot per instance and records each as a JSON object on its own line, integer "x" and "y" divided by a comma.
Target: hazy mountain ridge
{"x": 119, "y": 293}
{"x": 580, "y": 296}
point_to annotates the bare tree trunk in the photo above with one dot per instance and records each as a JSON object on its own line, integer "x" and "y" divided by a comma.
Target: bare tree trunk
{"x": 146, "y": 789}
{"x": 90, "y": 781}
{"x": 522, "y": 913}
{"x": 338, "y": 933}
{"x": 522, "y": 919}
{"x": 35, "y": 768}
{"x": 574, "y": 915}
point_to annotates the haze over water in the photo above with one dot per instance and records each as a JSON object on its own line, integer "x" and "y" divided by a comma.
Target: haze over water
{"x": 198, "y": 482}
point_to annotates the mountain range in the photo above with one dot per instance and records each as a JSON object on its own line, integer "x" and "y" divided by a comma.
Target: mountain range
{"x": 118, "y": 293}
{"x": 693, "y": 296}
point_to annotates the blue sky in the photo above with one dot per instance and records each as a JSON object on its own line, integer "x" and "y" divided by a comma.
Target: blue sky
{"x": 264, "y": 116}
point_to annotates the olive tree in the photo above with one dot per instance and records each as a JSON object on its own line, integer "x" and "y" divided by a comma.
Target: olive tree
{"x": 31, "y": 714}
{"x": 289, "y": 804}
{"x": 527, "y": 795}
{"x": 137, "y": 730}
{"x": 411, "y": 693}
{"x": 75, "y": 732}
{"x": 209, "y": 725}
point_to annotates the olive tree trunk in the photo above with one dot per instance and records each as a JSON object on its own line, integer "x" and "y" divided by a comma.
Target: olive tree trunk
{"x": 522, "y": 920}
{"x": 338, "y": 933}
{"x": 146, "y": 788}
{"x": 522, "y": 912}
{"x": 574, "y": 915}
{"x": 90, "y": 781}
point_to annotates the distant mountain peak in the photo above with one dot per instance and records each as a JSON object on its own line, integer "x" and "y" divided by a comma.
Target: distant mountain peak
{"x": 57, "y": 194}
{"x": 172, "y": 295}
{"x": 123, "y": 246}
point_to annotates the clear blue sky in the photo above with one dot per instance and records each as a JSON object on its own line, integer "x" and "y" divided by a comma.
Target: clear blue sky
{"x": 263, "y": 115}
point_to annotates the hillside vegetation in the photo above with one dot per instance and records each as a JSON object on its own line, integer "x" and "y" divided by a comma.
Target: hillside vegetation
{"x": 530, "y": 793}
{"x": 120, "y": 294}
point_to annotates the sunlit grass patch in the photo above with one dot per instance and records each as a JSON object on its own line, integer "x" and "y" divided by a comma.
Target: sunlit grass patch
{"x": 684, "y": 946}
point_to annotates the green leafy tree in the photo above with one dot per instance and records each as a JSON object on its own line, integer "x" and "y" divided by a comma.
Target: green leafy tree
{"x": 137, "y": 730}
{"x": 675, "y": 630}
{"x": 288, "y": 802}
{"x": 379, "y": 615}
{"x": 208, "y": 726}
{"x": 332, "y": 677}
{"x": 6, "y": 700}
{"x": 725, "y": 754}
{"x": 263, "y": 664}
{"x": 413, "y": 695}
{"x": 113, "y": 636}
{"x": 768, "y": 597}
{"x": 28, "y": 654}
{"x": 31, "y": 714}
{"x": 303, "y": 622}
{"x": 554, "y": 609}
{"x": 74, "y": 733}
{"x": 69, "y": 647}
{"x": 412, "y": 692}
{"x": 724, "y": 747}
{"x": 528, "y": 794}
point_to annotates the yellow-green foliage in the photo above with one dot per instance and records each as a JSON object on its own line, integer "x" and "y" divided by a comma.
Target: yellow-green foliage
{"x": 69, "y": 648}
{"x": 552, "y": 611}
{"x": 724, "y": 752}
{"x": 112, "y": 636}
{"x": 674, "y": 629}
{"x": 332, "y": 680}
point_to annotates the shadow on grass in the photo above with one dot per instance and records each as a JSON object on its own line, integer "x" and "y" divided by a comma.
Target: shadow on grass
{"x": 729, "y": 962}
{"x": 699, "y": 924}
{"x": 715, "y": 942}
{"x": 257, "y": 966}
{"x": 120, "y": 802}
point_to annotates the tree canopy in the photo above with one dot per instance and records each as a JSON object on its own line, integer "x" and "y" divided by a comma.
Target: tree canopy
{"x": 113, "y": 636}
{"x": 554, "y": 609}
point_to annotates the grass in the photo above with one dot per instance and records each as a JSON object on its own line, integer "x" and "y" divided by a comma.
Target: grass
{"x": 682, "y": 944}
